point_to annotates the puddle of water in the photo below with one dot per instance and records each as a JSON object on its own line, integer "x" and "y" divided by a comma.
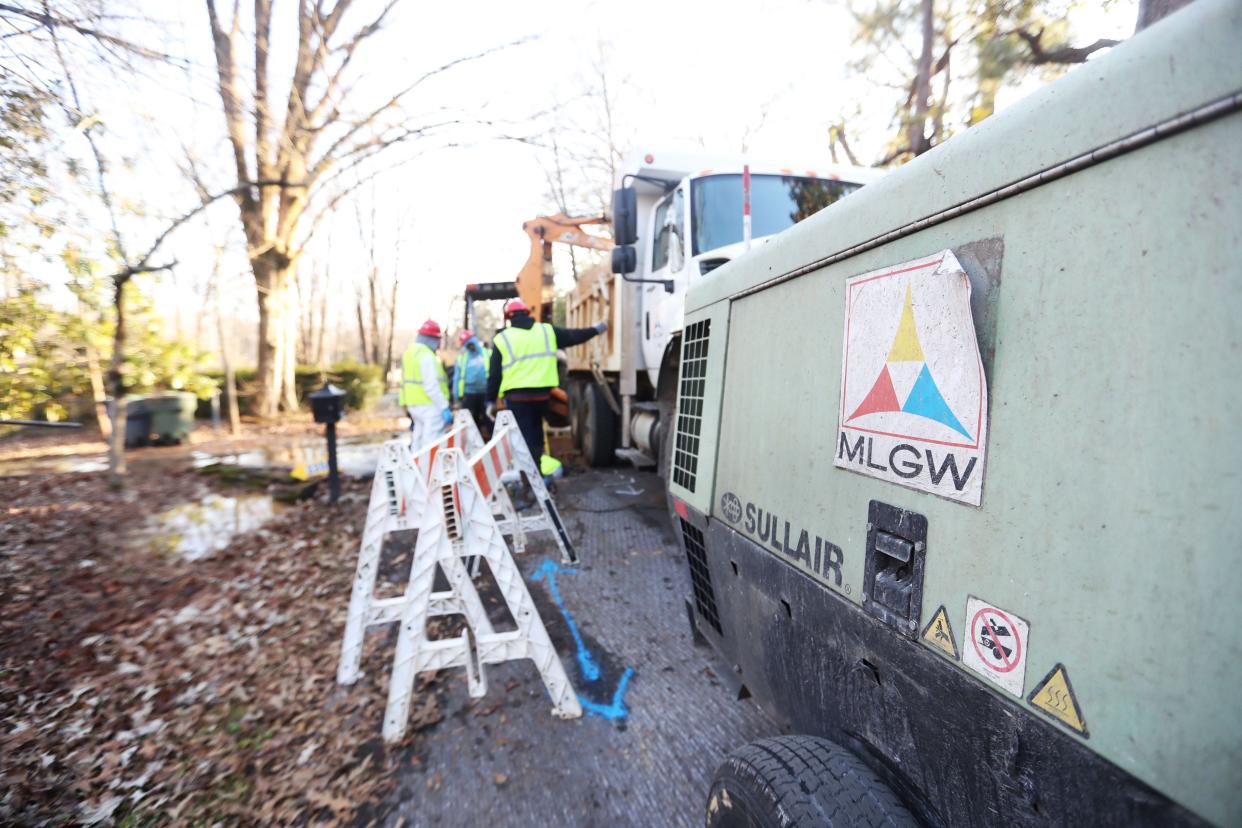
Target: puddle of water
{"x": 196, "y": 530}
{"x": 67, "y": 464}
{"x": 355, "y": 456}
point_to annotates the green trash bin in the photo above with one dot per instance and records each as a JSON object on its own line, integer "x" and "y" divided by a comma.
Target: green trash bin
{"x": 172, "y": 416}
{"x": 137, "y": 422}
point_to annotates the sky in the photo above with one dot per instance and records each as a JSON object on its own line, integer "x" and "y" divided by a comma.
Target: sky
{"x": 770, "y": 73}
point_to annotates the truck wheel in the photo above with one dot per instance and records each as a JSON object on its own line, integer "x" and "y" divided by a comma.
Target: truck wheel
{"x": 800, "y": 781}
{"x": 575, "y": 413}
{"x": 599, "y": 428}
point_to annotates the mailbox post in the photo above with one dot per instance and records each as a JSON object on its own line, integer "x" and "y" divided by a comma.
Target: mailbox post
{"x": 328, "y": 406}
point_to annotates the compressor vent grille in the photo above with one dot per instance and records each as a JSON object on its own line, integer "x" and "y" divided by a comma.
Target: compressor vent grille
{"x": 690, "y": 405}
{"x": 700, "y": 576}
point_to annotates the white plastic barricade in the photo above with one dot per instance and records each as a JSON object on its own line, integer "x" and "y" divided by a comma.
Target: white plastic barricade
{"x": 462, "y": 525}
{"x": 507, "y": 451}
{"x": 508, "y": 454}
{"x": 405, "y": 495}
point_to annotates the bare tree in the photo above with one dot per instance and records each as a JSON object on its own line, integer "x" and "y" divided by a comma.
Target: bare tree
{"x": 836, "y": 136}
{"x": 392, "y": 303}
{"x": 908, "y": 48}
{"x": 298, "y": 162}
{"x": 226, "y": 361}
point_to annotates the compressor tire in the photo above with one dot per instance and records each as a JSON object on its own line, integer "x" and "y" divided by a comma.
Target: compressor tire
{"x": 800, "y": 781}
{"x": 599, "y": 428}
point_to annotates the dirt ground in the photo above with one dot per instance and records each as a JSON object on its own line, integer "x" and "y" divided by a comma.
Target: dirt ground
{"x": 136, "y": 685}
{"x": 140, "y": 686}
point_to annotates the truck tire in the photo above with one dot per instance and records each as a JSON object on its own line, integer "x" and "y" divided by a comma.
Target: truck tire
{"x": 575, "y": 412}
{"x": 599, "y": 428}
{"x": 800, "y": 781}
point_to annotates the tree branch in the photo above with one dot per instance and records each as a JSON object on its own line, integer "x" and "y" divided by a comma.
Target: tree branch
{"x": 226, "y": 73}
{"x": 51, "y": 21}
{"x": 141, "y": 265}
{"x": 1062, "y": 54}
{"x": 330, "y": 155}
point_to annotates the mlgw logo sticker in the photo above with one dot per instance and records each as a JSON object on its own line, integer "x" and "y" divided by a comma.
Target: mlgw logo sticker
{"x": 913, "y": 394}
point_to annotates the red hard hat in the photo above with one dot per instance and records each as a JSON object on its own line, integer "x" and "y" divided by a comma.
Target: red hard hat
{"x": 515, "y": 306}
{"x": 464, "y": 336}
{"x": 430, "y": 328}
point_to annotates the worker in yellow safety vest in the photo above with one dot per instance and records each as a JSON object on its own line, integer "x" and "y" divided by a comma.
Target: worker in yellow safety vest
{"x": 524, "y": 371}
{"x": 424, "y": 387}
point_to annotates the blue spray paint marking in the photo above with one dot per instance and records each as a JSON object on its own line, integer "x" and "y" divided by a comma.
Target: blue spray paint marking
{"x": 617, "y": 709}
{"x": 590, "y": 669}
{"x": 549, "y": 570}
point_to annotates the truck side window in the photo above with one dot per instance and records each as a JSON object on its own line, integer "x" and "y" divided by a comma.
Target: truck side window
{"x": 659, "y": 247}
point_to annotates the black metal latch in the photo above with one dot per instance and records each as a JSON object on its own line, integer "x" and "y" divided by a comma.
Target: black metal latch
{"x": 893, "y": 576}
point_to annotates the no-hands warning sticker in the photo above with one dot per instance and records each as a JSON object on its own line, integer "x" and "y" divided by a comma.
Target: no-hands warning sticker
{"x": 913, "y": 395}
{"x": 939, "y": 634}
{"x": 995, "y": 646}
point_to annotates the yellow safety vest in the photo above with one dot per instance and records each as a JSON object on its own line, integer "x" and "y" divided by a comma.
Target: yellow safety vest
{"x": 412, "y": 391}
{"x": 527, "y": 357}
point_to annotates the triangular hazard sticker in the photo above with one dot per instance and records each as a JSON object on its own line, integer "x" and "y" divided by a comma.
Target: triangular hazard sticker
{"x": 939, "y": 634}
{"x": 1055, "y": 696}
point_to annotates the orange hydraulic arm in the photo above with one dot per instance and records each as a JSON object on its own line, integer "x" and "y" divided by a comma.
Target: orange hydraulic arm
{"x": 534, "y": 281}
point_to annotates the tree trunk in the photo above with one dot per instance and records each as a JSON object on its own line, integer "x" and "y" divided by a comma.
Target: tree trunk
{"x": 323, "y": 326}
{"x": 363, "y": 347}
{"x": 375, "y": 315}
{"x": 100, "y": 394}
{"x": 116, "y": 383}
{"x": 392, "y": 326}
{"x": 290, "y": 397}
{"x": 230, "y": 379}
{"x": 273, "y": 277}
{"x": 920, "y": 93}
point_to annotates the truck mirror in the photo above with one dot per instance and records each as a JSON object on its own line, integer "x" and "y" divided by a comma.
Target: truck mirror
{"x": 624, "y": 258}
{"x": 624, "y": 218}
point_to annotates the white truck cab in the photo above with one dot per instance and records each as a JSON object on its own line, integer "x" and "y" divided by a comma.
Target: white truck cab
{"x": 689, "y": 221}
{"x": 677, "y": 216}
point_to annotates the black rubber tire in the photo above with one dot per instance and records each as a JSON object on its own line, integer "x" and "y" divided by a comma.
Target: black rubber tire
{"x": 575, "y": 412}
{"x": 599, "y": 428}
{"x": 800, "y": 781}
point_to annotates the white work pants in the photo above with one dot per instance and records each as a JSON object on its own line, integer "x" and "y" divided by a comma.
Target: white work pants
{"x": 428, "y": 425}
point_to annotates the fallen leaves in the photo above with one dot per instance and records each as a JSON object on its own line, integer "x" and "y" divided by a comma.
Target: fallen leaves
{"x": 150, "y": 686}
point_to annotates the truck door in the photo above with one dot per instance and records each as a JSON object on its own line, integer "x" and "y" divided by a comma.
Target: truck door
{"x": 662, "y": 311}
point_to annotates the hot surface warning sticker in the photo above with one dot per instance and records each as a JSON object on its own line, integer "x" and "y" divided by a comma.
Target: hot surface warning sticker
{"x": 995, "y": 645}
{"x": 913, "y": 395}
{"x": 1055, "y": 696}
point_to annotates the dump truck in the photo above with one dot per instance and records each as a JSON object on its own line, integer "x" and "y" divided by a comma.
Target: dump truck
{"x": 677, "y": 216}
{"x": 970, "y": 546}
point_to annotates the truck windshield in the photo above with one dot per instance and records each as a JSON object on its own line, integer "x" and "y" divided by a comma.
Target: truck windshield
{"x": 777, "y": 202}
